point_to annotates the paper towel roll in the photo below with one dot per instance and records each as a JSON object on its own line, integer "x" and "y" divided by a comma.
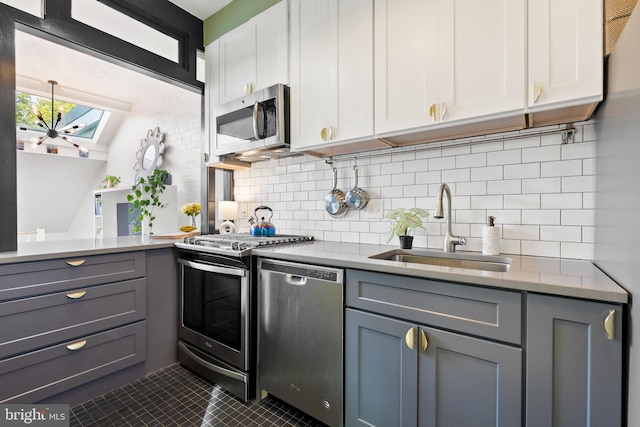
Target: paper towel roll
{"x": 490, "y": 240}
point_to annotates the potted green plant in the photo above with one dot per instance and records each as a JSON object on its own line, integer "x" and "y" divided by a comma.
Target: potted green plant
{"x": 145, "y": 196}
{"x": 404, "y": 221}
{"x": 110, "y": 181}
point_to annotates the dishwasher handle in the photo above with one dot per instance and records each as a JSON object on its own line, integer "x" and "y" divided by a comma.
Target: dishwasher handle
{"x": 299, "y": 274}
{"x": 295, "y": 280}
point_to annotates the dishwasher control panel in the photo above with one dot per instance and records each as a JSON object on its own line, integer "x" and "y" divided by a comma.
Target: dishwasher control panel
{"x": 311, "y": 272}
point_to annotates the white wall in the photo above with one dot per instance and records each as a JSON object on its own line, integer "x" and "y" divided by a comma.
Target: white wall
{"x": 50, "y": 192}
{"x": 176, "y": 112}
{"x": 540, "y": 191}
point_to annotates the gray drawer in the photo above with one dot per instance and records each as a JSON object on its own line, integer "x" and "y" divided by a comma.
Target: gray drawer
{"x": 37, "y": 375}
{"x": 35, "y": 322}
{"x": 40, "y": 277}
{"x": 490, "y": 313}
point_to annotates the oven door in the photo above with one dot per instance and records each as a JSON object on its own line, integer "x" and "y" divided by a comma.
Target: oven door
{"x": 214, "y": 304}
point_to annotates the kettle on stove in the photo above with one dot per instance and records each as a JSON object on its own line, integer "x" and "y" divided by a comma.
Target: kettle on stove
{"x": 262, "y": 227}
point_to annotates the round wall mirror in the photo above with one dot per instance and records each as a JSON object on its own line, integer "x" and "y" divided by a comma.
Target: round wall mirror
{"x": 150, "y": 155}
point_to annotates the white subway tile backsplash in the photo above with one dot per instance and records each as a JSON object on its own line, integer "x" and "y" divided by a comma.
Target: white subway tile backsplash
{"x": 561, "y": 201}
{"x": 403, "y": 179}
{"x": 442, "y": 163}
{"x": 431, "y": 177}
{"x": 456, "y": 175}
{"x": 512, "y": 186}
{"x": 470, "y": 188}
{"x": 572, "y": 184}
{"x": 584, "y": 217}
{"x": 589, "y": 166}
{"x": 561, "y": 168}
{"x": 487, "y": 202}
{"x": 529, "y": 170}
{"x": 521, "y": 232}
{"x": 540, "y": 191}
{"x": 525, "y": 142}
{"x": 583, "y": 150}
{"x": 524, "y": 201}
{"x": 541, "y": 185}
{"x": 415, "y": 190}
{"x": 546, "y": 217}
{"x": 558, "y": 233}
{"x": 507, "y": 157}
{"x": 487, "y": 147}
{"x": 538, "y": 248}
{"x": 487, "y": 173}
{"x": 589, "y": 200}
{"x": 541, "y": 154}
{"x": 471, "y": 160}
{"x": 505, "y": 216}
{"x": 577, "y": 250}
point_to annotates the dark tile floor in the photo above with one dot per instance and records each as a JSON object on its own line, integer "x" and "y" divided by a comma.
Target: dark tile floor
{"x": 174, "y": 396}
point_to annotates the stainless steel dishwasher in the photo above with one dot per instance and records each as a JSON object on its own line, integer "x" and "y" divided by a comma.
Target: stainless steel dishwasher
{"x": 300, "y": 337}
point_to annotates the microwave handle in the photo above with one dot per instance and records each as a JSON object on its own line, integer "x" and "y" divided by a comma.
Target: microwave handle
{"x": 256, "y": 110}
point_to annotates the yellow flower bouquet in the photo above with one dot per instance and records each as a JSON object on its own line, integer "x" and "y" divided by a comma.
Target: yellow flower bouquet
{"x": 191, "y": 210}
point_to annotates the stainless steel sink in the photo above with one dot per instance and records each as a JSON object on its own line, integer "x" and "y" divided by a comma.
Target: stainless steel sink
{"x": 442, "y": 259}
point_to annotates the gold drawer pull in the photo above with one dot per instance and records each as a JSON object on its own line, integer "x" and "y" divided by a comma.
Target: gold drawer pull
{"x": 433, "y": 112}
{"x": 76, "y": 295}
{"x": 410, "y": 338}
{"x": 610, "y": 324}
{"x": 537, "y": 91}
{"x": 77, "y": 345}
{"x": 424, "y": 342}
{"x": 76, "y": 263}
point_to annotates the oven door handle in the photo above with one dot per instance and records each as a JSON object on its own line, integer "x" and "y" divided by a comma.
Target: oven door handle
{"x": 218, "y": 369}
{"x": 212, "y": 268}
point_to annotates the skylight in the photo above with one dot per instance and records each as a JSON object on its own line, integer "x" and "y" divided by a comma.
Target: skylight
{"x": 73, "y": 114}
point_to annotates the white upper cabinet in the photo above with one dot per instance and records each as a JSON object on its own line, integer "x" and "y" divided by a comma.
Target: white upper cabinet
{"x": 440, "y": 62}
{"x": 331, "y": 73}
{"x": 255, "y": 55}
{"x": 565, "y": 53}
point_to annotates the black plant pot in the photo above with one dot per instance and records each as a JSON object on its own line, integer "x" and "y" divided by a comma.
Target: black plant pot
{"x": 406, "y": 242}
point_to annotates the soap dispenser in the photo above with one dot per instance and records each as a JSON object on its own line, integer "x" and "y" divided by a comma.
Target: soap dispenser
{"x": 490, "y": 238}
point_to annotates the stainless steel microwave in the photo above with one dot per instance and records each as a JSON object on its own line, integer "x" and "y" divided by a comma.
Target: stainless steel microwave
{"x": 253, "y": 125}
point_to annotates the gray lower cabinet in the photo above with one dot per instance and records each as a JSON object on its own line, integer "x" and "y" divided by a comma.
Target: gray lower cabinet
{"x": 402, "y": 374}
{"x": 67, "y": 322}
{"x": 574, "y": 362}
{"x": 42, "y": 373}
{"x": 421, "y": 352}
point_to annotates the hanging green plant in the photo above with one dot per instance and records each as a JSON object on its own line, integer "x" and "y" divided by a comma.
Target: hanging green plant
{"x": 145, "y": 197}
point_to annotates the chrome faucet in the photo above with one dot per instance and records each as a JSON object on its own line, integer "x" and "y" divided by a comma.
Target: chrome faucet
{"x": 450, "y": 241}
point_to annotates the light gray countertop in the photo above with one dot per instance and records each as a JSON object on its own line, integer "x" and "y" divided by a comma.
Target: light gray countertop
{"x": 556, "y": 276}
{"x": 49, "y": 249}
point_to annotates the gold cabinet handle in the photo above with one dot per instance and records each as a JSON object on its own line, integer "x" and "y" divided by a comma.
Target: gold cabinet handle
{"x": 424, "y": 342}
{"x": 610, "y": 324}
{"x": 432, "y": 112}
{"x": 326, "y": 133}
{"x": 410, "y": 338}
{"x": 248, "y": 88}
{"x": 76, "y": 295}
{"x": 76, "y": 263}
{"x": 77, "y": 345}
{"x": 443, "y": 111}
{"x": 537, "y": 91}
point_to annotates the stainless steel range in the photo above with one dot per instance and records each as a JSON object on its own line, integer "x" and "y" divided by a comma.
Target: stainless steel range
{"x": 237, "y": 244}
{"x": 217, "y": 331}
